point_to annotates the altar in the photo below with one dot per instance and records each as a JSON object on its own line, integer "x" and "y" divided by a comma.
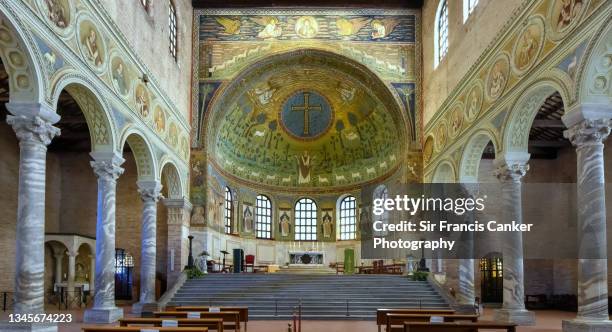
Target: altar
{"x": 306, "y": 258}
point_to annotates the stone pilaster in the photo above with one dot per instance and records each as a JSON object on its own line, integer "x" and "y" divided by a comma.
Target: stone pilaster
{"x": 34, "y": 134}
{"x": 588, "y": 136}
{"x": 107, "y": 168}
{"x": 179, "y": 213}
{"x": 510, "y": 174}
{"x": 149, "y": 194}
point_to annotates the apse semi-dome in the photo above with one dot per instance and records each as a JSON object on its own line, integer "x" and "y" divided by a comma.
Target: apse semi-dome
{"x": 306, "y": 119}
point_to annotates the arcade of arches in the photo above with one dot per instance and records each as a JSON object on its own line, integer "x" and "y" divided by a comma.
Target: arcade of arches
{"x": 135, "y": 132}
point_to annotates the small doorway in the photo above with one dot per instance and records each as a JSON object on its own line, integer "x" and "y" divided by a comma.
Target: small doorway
{"x": 124, "y": 266}
{"x": 491, "y": 279}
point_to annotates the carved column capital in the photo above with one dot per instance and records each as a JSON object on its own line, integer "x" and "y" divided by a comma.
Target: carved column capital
{"x": 32, "y": 129}
{"x": 589, "y": 132}
{"x": 511, "y": 171}
{"x": 108, "y": 169}
{"x": 150, "y": 191}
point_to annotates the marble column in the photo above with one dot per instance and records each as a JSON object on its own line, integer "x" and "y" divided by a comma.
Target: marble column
{"x": 588, "y": 136}
{"x": 466, "y": 294}
{"x": 58, "y": 267}
{"x": 510, "y": 173}
{"x": 71, "y": 271}
{"x": 34, "y": 134}
{"x": 179, "y": 213}
{"x": 149, "y": 194}
{"x": 107, "y": 168}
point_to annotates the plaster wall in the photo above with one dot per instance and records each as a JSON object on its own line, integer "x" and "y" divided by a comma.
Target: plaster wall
{"x": 466, "y": 42}
{"x": 147, "y": 32}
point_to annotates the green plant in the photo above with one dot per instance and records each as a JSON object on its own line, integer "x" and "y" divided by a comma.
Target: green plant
{"x": 194, "y": 273}
{"x": 420, "y": 276}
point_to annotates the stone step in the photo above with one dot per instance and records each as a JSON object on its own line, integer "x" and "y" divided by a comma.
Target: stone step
{"x": 275, "y": 296}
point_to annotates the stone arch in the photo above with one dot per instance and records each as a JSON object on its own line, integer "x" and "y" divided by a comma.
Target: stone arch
{"x": 97, "y": 114}
{"x": 595, "y": 77}
{"x": 143, "y": 153}
{"x": 26, "y": 78}
{"x": 174, "y": 182}
{"x": 240, "y": 169}
{"x": 472, "y": 154}
{"x": 518, "y": 124}
{"x": 444, "y": 173}
{"x": 86, "y": 245}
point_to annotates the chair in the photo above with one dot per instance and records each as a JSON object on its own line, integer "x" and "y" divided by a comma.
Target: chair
{"x": 249, "y": 261}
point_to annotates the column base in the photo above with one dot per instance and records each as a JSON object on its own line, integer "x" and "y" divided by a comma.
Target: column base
{"x": 145, "y": 309}
{"x": 29, "y": 327}
{"x": 578, "y": 325}
{"x": 103, "y": 316}
{"x": 520, "y": 317}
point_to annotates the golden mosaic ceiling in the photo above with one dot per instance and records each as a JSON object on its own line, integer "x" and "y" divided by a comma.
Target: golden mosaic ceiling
{"x": 306, "y": 119}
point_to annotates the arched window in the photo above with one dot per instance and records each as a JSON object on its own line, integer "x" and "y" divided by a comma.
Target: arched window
{"x": 468, "y": 8}
{"x": 441, "y": 32}
{"x": 348, "y": 218}
{"x": 263, "y": 217}
{"x": 227, "y": 210}
{"x": 172, "y": 28}
{"x": 306, "y": 220}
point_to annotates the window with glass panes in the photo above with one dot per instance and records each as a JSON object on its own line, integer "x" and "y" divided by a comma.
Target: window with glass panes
{"x": 305, "y": 220}
{"x": 348, "y": 218}
{"x": 172, "y": 29}
{"x": 228, "y": 206}
{"x": 263, "y": 217}
{"x": 443, "y": 31}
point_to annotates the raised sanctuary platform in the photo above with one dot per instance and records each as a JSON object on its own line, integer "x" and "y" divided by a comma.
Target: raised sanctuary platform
{"x": 333, "y": 297}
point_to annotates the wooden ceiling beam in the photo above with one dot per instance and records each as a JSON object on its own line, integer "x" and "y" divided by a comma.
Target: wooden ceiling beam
{"x": 543, "y": 123}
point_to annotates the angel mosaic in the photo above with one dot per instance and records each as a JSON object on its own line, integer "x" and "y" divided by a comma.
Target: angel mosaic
{"x": 349, "y": 27}
{"x": 383, "y": 28}
{"x": 271, "y": 27}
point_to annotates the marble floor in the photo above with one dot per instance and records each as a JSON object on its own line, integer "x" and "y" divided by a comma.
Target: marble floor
{"x": 546, "y": 321}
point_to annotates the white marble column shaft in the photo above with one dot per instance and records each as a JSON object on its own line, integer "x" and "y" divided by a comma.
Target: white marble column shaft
{"x": 510, "y": 175}
{"x": 150, "y": 194}
{"x": 104, "y": 310}
{"x": 58, "y": 267}
{"x": 34, "y": 135}
{"x": 71, "y": 271}
{"x": 466, "y": 294}
{"x": 588, "y": 137}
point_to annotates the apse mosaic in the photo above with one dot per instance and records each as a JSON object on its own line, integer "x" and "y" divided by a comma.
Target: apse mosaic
{"x": 304, "y": 124}
{"x": 280, "y": 131}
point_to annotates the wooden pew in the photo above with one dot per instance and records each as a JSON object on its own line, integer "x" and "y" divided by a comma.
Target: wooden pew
{"x": 395, "y": 322}
{"x": 211, "y": 323}
{"x": 457, "y": 326}
{"x": 381, "y": 314}
{"x": 242, "y": 311}
{"x": 231, "y": 319}
{"x": 138, "y": 328}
